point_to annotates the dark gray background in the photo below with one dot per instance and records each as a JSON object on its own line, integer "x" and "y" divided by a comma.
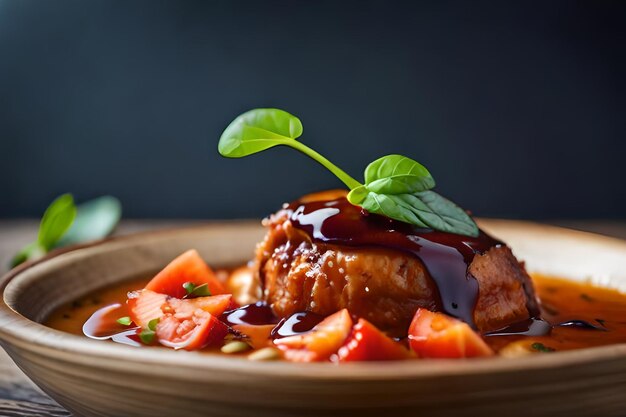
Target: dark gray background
{"x": 517, "y": 108}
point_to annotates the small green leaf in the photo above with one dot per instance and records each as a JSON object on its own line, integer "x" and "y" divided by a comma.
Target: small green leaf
{"x": 28, "y": 252}
{"x": 258, "y": 130}
{"x": 147, "y": 336}
{"x": 56, "y": 221}
{"x": 95, "y": 219}
{"x": 540, "y": 347}
{"x": 397, "y": 174}
{"x": 189, "y": 287}
{"x": 63, "y": 224}
{"x": 124, "y": 321}
{"x": 423, "y": 209}
{"x": 196, "y": 291}
{"x": 20, "y": 257}
{"x": 152, "y": 324}
{"x": 201, "y": 291}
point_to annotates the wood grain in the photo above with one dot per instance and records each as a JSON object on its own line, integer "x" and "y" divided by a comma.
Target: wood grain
{"x": 20, "y": 397}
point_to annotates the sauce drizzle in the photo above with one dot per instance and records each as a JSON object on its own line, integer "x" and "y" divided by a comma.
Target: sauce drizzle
{"x": 529, "y": 327}
{"x": 295, "y": 324}
{"x": 581, "y": 324}
{"x": 256, "y": 314}
{"x": 446, "y": 256}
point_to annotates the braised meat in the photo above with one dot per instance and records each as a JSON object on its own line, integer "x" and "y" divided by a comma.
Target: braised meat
{"x": 384, "y": 286}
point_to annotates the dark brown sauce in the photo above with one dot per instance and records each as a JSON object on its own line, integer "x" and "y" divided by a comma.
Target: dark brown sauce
{"x": 529, "y": 327}
{"x": 446, "y": 256}
{"x": 255, "y": 314}
{"x": 295, "y": 324}
{"x": 582, "y": 324}
{"x": 259, "y": 314}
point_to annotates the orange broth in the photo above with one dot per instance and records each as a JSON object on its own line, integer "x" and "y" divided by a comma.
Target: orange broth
{"x": 561, "y": 300}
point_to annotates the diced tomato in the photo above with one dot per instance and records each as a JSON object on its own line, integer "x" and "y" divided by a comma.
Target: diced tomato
{"x": 437, "y": 335}
{"x": 367, "y": 343}
{"x": 215, "y": 305}
{"x": 146, "y": 305}
{"x": 188, "y": 267}
{"x": 321, "y": 342}
{"x": 258, "y": 335}
{"x": 199, "y": 330}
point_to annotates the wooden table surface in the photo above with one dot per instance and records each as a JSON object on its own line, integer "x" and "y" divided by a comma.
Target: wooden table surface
{"x": 20, "y": 397}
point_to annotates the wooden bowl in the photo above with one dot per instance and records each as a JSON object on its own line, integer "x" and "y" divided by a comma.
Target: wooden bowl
{"x": 95, "y": 378}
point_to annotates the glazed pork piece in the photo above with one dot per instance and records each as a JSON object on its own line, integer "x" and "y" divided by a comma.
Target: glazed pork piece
{"x": 383, "y": 285}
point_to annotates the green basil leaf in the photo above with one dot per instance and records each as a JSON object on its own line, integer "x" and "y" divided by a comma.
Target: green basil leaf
{"x": 422, "y": 209}
{"x": 261, "y": 129}
{"x": 392, "y": 206}
{"x": 397, "y": 174}
{"x": 28, "y": 252}
{"x": 95, "y": 219}
{"x": 444, "y": 215}
{"x": 56, "y": 221}
{"x": 258, "y": 130}
{"x": 395, "y": 186}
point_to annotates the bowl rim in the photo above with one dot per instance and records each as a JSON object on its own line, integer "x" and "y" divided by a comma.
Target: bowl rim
{"x": 21, "y": 332}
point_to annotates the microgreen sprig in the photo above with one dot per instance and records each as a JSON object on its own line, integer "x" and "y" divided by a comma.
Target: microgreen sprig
{"x": 124, "y": 321}
{"x": 394, "y": 185}
{"x": 194, "y": 290}
{"x": 148, "y": 334}
{"x": 540, "y": 347}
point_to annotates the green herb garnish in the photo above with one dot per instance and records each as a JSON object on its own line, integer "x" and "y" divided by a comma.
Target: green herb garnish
{"x": 148, "y": 334}
{"x": 394, "y": 185}
{"x": 55, "y": 222}
{"x": 152, "y": 324}
{"x": 63, "y": 223}
{"x": 540, "y": 347}
{"x": 194, "y": 290}
{"x": 124, "y": 321}
{"x": 95, "y": 219}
